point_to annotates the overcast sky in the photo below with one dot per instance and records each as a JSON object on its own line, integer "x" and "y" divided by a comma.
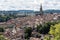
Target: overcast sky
{"x": 29, "y": 4}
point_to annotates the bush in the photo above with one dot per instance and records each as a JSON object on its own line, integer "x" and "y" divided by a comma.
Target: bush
{"x": 47, "y": 38}
{"x": 2, "y": 37}
{"x": 55, "y": 31}
{"x": 1, "y": 29}
{"x": 28, "y": 32}
{"x": 45, "y": 28}
{"x": 4, "y": 18}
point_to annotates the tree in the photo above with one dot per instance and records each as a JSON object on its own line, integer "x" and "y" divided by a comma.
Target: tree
{"x": 38, "y": 27}
{"x": 4, "y": 18}
{"x": 55, "y": 31}
{"x": 2, "y": 37}
{"x": 1, "y": 29}
{"x": 47, "y": 38}
{"x": 45, "y": 28}
{"x": 28, "y": 32}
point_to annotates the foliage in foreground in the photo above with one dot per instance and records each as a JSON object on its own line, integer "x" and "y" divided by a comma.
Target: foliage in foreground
{"x": 55, "y": 31}
{"x": 47, "y": 38}
{"x": 28, "y": 32}
{"x": 45, "y": 28}
{"x": 42, "y": 29}
{"x": 1, "y": 29}
{"x": 3, "y": 38}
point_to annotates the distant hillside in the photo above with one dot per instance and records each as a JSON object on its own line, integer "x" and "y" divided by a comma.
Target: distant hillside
{"x": 53, "y": 11}
{"x": 49, "y": 11}
{"x": 28, "y": 11}
{"x": 17, "y": 11}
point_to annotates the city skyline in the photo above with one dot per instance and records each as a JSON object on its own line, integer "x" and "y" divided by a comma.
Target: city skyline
{"x": 29, "y": 4}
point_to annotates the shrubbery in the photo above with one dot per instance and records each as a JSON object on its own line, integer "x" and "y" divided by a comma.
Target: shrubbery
{"x": 4, "y": 18}
{"x": 55, "y": 31}
{"x": 1, "y": 29}
{"x": 2, "y": 37}
{"x": 52, "y": 28}
{"x": 28, "y": 32}
{"x": 45, "y": 28}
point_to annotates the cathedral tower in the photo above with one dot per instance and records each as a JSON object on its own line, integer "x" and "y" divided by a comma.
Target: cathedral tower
{"x": 41, "y": 10}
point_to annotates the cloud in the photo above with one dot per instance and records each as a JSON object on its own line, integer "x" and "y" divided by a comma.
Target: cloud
{"x": 29, "y": 4}
{"x": 51, "y": 4}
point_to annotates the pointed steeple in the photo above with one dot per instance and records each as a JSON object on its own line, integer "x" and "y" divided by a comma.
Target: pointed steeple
{"x": 41, "y": 10}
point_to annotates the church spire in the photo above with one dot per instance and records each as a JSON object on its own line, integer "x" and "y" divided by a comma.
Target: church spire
{"x": 41, "y": 11}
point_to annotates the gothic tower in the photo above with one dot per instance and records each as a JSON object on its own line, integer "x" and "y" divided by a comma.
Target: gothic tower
{"x": 41, "y": 10}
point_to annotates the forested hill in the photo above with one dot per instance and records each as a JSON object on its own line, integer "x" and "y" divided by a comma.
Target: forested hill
{"x": 28, "y": 11}
{"x": 53, "y": 11}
